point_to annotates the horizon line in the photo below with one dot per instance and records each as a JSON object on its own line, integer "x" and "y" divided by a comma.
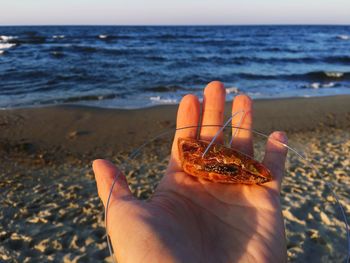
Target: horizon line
{"x": 170, "y": 25}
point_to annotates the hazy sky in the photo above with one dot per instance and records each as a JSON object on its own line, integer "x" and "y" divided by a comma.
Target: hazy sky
{"x": 178, "y": 12}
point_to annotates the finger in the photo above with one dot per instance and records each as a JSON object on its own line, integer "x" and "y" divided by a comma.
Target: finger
{"x": 242, "y": 139}
{"x": 105, "y": 174}
{"x": 213, "y": 110}
{"x": 275, "y": 157}
{"x": 187, "y": 116}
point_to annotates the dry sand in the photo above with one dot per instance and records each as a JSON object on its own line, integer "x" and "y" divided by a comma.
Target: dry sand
{"x": 49, "y": 209}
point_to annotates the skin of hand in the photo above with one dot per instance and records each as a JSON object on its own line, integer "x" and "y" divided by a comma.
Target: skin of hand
{"x": 190, "y": 220}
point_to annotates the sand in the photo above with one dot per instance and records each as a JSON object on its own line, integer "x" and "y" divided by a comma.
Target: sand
{"x": 49, "y": 209}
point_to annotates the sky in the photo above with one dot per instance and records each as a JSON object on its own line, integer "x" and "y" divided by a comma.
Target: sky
{"x": 176, "y": 12}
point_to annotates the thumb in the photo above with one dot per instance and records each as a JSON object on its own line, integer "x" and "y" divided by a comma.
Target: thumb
{"x": 106, "y": 174}
{"x": 275, "y": 157}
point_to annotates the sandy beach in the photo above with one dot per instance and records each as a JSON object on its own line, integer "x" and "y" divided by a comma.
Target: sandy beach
{"x": 50, "y": 211}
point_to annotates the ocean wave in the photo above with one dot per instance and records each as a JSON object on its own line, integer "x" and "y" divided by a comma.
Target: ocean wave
{"x": 280, "y": 49}
{"x": 6, "y": 38}
{"x": 6, "y": 45}
{"x": 231, "y": 90}
{"x": 334, "y": 74}
{"x": 164, "y": 88}
{"x": 277, "y": 59}
{"x": 309, "y": 76}
{"x": 62, "y": 78}
{"x": 155, "y": 58}
{"x": 58, "y": 36}
{"x": 110, "y": 37}
{"x": 344, "y": 37}
{"x": 28, "y": 40}
{"x": 318, "y": 85}
{"x": 305, "y": 59}
{"x": 196, "y": 78}
{"x": 173, "y": 36}
{"x": 161, "y": 100}
{"x": 225, "y": 60}
{"x": 75, "y": 99}
{"x": 84, "y": 48}
{"x": 337, "y": 59}
{"x": 240, "y": 60}
{"x": 112, "y": 51}
{"x": 88, "y": 98}
{"x": 322, "y": 76}
{"x": 220, "y": 42}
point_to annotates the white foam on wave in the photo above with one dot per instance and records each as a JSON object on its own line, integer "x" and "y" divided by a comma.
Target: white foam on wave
{"x": 318, "y": 85}
{"x": 315, "y": 85}
{"x": 6, "y": 46}
{"x": 343, "y": 37}
{"x": 103, "y": 36}
{"x": 6, "y": 38}
{"x": 160, "y": 100}
{"x": 329, "y": 85}
{"x": 58, "y": 36}
{"x": 334, "y": 74}
{"x": 231, "y": 90}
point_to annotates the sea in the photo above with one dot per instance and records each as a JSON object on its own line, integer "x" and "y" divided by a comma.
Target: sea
{"x": 131, "y": 67}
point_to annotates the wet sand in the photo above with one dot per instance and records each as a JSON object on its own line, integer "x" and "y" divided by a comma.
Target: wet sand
{"x": 49, "y": 209}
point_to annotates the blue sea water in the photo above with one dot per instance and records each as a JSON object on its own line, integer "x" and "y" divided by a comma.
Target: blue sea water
{"x": 141, "y": 66}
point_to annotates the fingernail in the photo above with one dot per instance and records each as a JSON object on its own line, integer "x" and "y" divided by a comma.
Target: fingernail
{"x": 280, "y": 136}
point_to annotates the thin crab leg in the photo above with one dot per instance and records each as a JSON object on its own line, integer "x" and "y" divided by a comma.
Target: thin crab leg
{"x": 238, "y": 126}
{"x": 222, "y": 128}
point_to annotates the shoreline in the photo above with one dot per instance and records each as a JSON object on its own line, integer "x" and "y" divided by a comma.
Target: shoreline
{"x": 106, "y": 107}
{"x": 78, "y": 129}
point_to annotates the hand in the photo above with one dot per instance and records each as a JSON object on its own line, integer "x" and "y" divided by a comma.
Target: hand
{"x": 190, "y": 220}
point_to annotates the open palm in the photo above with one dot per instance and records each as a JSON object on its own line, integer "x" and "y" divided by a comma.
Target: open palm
{"x": 190, "y": 220}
